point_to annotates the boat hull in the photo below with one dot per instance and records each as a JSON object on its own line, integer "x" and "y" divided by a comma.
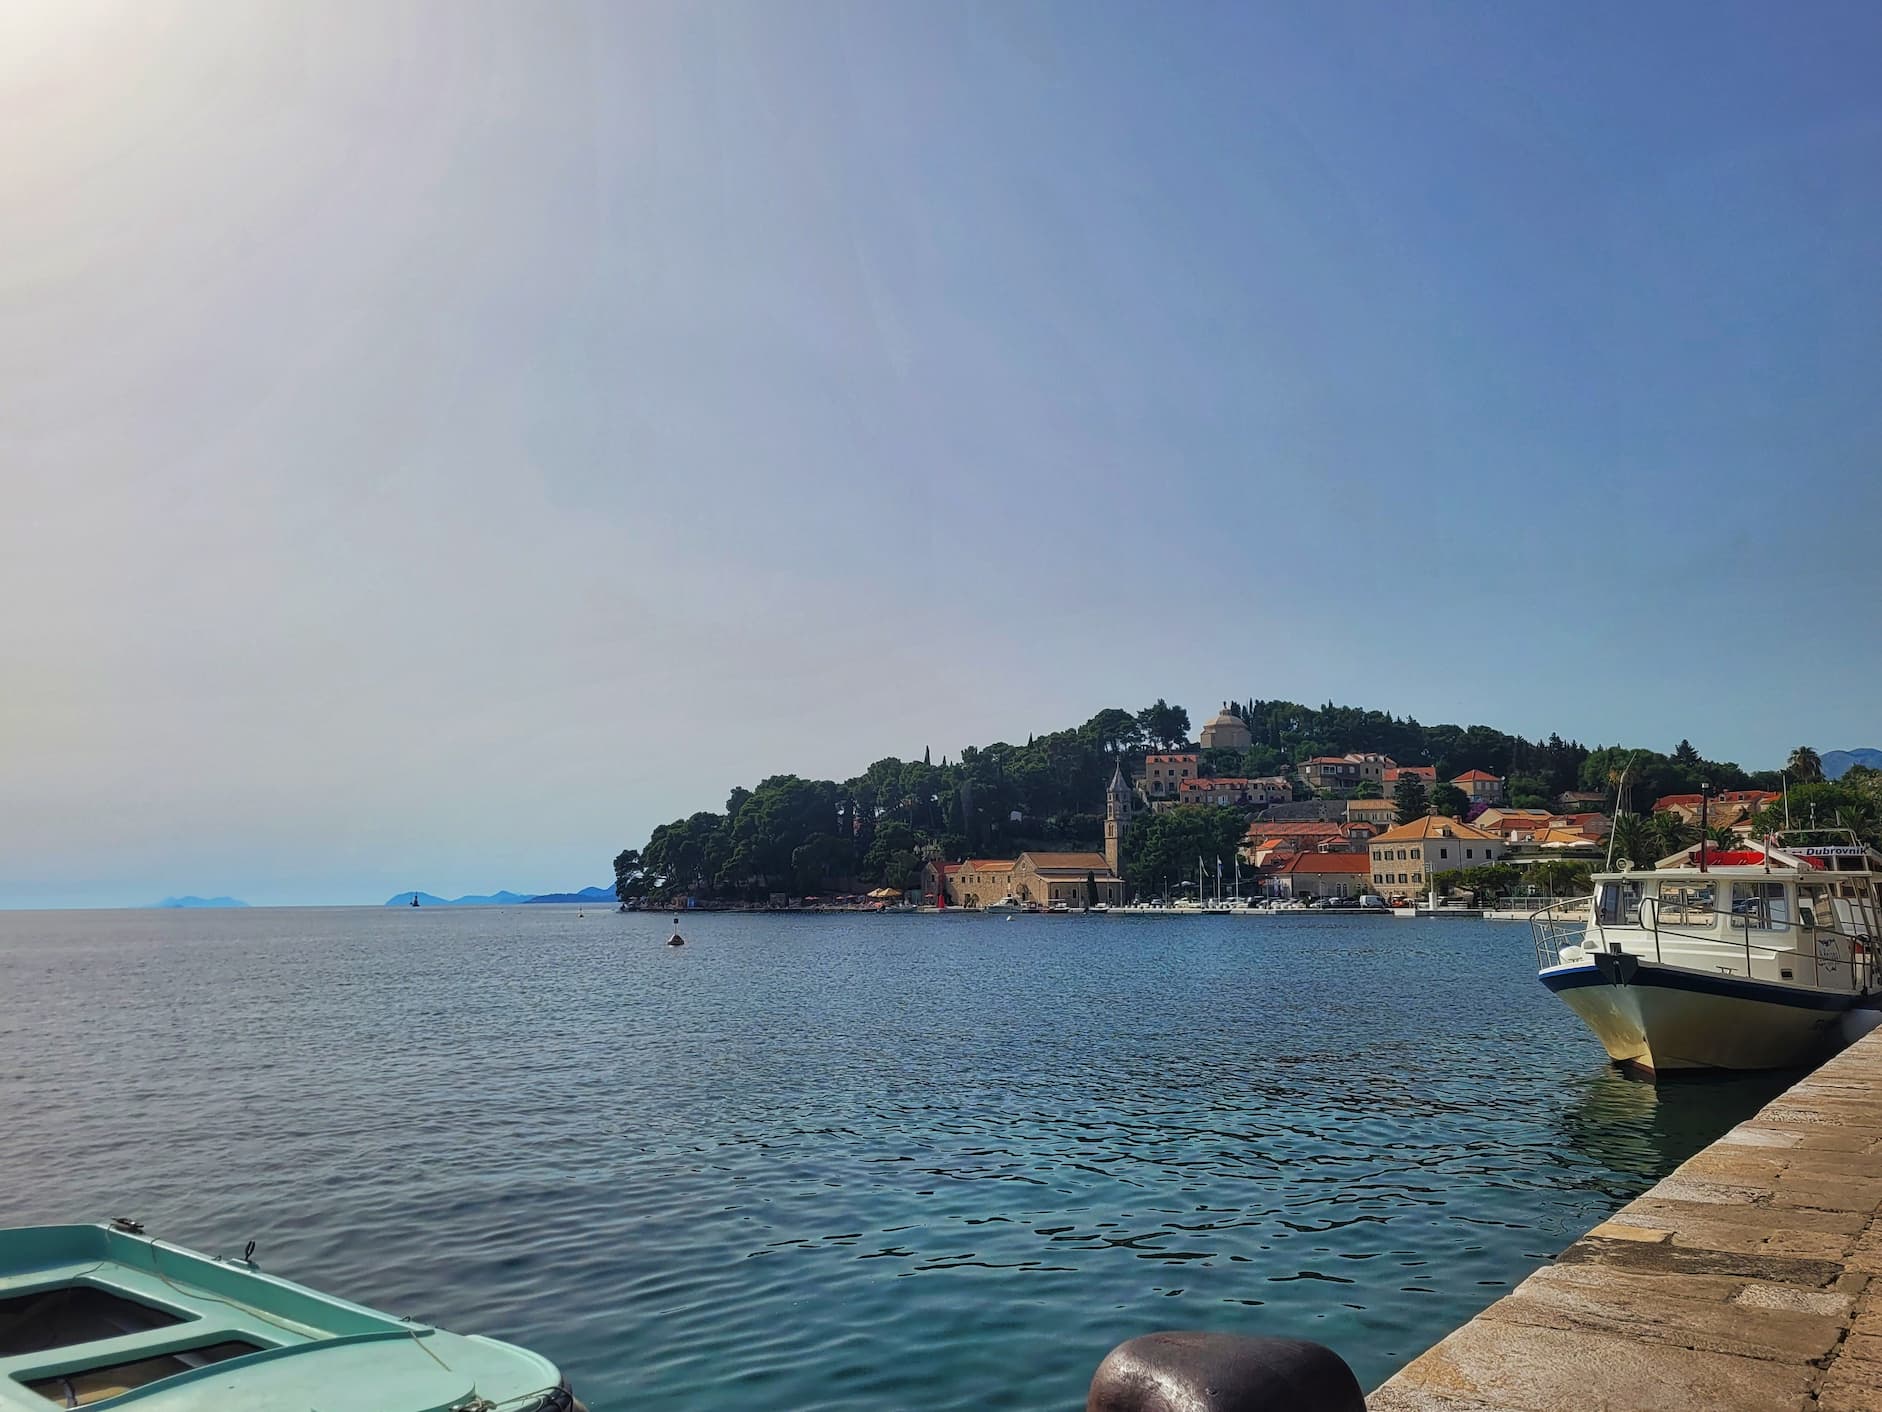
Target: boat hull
{"x": 1656, "y": 1019}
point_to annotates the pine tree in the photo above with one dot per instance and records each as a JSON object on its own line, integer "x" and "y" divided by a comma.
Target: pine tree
{"x": 1409, "y": 799}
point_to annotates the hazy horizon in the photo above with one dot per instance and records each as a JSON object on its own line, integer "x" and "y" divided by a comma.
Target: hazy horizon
{"x": 443, "y": 441}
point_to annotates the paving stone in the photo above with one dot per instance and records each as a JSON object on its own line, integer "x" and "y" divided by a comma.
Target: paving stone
{"x": 1633, "y": 1255}
{"x": 1801, "y": 1301}
{"x": 1619, "y": 1230}
{"x": 1753, "y": 1135}
{"x": 1707, "y": 1326}
{"x": 1542, "y": 1370}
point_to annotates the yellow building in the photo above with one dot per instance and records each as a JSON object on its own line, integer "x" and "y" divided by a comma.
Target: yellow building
{"x": 1164, "y": 774}
{"x": 1404, "y": 859}
{"x": 1062, "y": 877}
{"x": 981, "y": 882}
{"x": 1371, "y": 811}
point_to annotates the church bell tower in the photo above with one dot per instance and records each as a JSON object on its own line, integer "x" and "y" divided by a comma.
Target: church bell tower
{"x": 1117, "y": 813}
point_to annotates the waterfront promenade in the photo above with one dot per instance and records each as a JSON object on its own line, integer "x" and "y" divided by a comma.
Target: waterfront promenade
{"x": 1749, "y": 1280}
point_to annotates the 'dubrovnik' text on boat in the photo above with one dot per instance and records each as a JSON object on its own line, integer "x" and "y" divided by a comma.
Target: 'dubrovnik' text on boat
{"x": 1761, "y": 957}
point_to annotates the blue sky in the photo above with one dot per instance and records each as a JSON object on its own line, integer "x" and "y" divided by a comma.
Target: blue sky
{"x": 442, "y": 441}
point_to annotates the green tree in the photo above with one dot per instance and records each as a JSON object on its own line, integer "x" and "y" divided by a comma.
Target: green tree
{"x": 1684, "y": 754}
{"x": 1670, "y": 833}
{"x": 1527, "y": 792}
{"x": 1164, "y": 724}
{"x": 630, "y": 878}
{"x": 1163, "y": 848}
{"x": 1827, "y": 805}
{"x": 1558, "y": 877}
{"x": 1368, "y": 789}
{"x": 1113, "y": 731}
{"x": 1409, "y": 798}
{"x": 1804, "y": 765}
{"x": 891, "y": 839}
{"x": 1490, "y": 880}
{"x": 1448, "y": 800}
{"x": 818, "y": 862}
{"x": 1633, "y": 841}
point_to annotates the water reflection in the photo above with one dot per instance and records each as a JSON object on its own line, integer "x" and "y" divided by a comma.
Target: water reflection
{"x": 1633, "y": 1132}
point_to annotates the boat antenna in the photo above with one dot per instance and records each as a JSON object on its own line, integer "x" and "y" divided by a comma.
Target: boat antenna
{"x": 1619, "y": 786}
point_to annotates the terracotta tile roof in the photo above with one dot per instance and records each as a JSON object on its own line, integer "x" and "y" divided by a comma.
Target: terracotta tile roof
{"x": 1067, "y": 862}
{"x": 1325, "y": 863}
{"x": 1473, "y": 775}
{"x": 1434, "y": 826}
{"x": 988, "y": 865}
{"x": 1297, "y": 828}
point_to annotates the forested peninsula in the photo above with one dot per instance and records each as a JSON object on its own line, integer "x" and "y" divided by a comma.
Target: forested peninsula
{"x": 877, "y": 828}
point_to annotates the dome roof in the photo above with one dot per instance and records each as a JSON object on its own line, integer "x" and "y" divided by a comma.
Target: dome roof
{"x": 1226, "y": 717}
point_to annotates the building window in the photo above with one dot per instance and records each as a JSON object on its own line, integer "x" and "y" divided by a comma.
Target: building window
{"x": 1444, "y": 853}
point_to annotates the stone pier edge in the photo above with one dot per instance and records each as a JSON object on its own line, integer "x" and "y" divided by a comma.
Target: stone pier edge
{"x": 1749, "y": 1280}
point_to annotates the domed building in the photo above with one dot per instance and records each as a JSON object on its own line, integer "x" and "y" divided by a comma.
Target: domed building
{"x": 1226, "y": 732}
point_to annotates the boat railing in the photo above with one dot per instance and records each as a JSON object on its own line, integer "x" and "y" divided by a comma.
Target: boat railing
{"x": 1805, "y": 942}
{"x": 1561, "y": 925}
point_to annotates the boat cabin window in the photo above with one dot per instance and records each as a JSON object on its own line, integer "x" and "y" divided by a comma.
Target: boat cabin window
{"x": 1617, "y": 904}
{"x": 1687, "y": 904}
{"x": 58, "y": 1318}
{"x": 1816, "y": 905}
{"x": 1761, "y": 906}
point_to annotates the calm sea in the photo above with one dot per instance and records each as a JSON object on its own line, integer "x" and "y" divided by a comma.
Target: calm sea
{"x": 838, "y": 1162}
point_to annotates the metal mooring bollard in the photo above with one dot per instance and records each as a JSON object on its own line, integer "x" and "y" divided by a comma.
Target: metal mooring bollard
{"x": 1195, "y": 1372}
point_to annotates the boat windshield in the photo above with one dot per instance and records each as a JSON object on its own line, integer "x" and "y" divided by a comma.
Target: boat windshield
{"x": 1617, "y": 903}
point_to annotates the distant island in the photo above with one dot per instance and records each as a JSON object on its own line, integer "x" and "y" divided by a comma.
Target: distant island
{"x": 200, "y": 902}
{"x": 498, "y": 899}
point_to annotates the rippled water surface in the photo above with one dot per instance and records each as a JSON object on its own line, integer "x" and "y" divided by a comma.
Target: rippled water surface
{"x": 858, "y": 1162}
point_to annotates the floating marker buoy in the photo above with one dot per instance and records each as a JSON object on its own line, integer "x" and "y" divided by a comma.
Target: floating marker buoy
{"x": 676, "y": 940}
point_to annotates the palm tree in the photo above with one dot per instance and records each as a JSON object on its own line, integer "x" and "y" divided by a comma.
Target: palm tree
{"x": 1670, "y": 833}
{"x": 1633, "y": 840}
{"x": 1804, "y": 765}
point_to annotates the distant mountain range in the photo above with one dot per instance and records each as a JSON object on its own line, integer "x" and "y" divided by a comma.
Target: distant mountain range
{"x": 200, "y": 902}
{"x": 1836, "y": 763}
{"x": 500, "y": 899}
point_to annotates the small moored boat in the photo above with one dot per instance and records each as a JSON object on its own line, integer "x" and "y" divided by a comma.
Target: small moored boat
{"x": 105, "y": 1316}
{"x": 1759, "y": 957}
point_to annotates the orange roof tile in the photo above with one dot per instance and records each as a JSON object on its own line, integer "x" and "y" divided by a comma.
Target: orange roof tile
{"x": 1325, "y": 863}
{"x": 1433, "y": 826}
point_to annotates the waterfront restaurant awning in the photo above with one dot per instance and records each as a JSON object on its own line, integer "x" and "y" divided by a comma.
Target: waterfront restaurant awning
{"x": 887, "y": 894}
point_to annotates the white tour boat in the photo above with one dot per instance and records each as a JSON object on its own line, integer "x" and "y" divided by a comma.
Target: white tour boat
{"x": 1757, "y": 958}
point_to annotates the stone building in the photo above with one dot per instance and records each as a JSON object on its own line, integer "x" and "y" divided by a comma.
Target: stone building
{"x": 1404, "y": 859}
{"x": 1226, "y": 732}
{"x": 1164, "y": 774}
{"x": 1065, "y": 877}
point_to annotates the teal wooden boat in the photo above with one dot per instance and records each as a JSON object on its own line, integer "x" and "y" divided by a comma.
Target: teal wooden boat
{"x": 105, "y": 1316}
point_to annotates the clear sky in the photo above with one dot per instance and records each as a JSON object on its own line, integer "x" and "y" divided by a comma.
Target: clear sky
{"x": 440, "y": 442}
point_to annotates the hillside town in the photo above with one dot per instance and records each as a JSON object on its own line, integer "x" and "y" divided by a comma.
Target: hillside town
{"x": 1270, "y": 800}
{"x": 1332, "y": 827}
